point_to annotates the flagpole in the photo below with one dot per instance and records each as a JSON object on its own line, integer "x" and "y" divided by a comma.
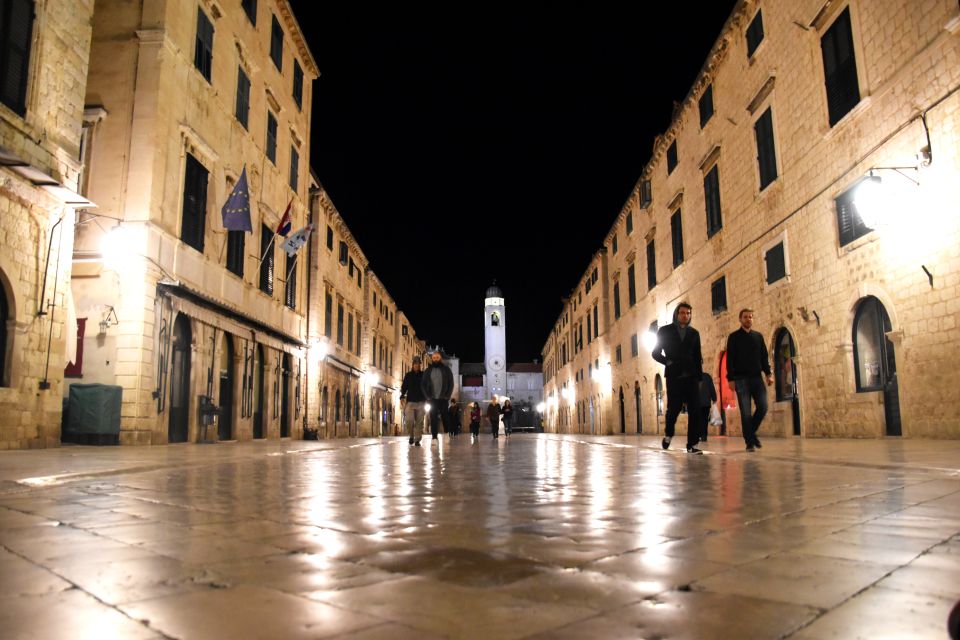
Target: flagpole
{"x": 266, "y": 251}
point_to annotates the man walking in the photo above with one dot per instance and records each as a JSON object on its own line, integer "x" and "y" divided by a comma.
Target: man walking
{"x": 678, "y": 349}
{"x": 412, "y": 400}
{"x": 437, "y": 386}
{"x": 746, "y": 359}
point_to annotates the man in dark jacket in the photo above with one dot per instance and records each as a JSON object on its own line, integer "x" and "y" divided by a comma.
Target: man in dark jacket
{"x": 413, "y": 401}
{"x": 708, "y": 395}
{"x": 437, "y": 386}
{"x": 746, "y": 358}
{"x": 678, "y": 349}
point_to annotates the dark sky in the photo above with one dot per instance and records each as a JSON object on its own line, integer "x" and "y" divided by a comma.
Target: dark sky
{"x": 463, "y": 145}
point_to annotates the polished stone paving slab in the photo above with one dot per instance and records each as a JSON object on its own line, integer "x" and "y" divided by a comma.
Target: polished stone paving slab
{"x": 538, "y": 536}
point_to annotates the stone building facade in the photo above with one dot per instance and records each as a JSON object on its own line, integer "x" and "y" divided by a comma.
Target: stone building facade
{"x": 192, "y": 93}
{"x": 44, "y": 55}
{"x": 811, "y": 175}
{"x": 360, "y": 343}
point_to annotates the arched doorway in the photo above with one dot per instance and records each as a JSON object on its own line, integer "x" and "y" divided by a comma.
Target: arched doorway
{"x": 636, "y": 401}
{"x": 623, "y": 417}
{"x": 592, "y": 418}
{"x": 177, "y": 429}
{"x": 658, "y": 387}
{"x": 347, "y": 412}
{"x": 225, "y": 421}
{"x": 785, "y": 375}
{"x": 259, "y": 371}
{"x": 285, "y": 396}
{"x": 336, "y": 413}
{"x": 4, "y": 316}
{"x": 874, "y": 361}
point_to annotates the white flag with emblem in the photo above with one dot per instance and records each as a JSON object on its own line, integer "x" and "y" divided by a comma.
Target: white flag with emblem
{"x": 292, "y": 244}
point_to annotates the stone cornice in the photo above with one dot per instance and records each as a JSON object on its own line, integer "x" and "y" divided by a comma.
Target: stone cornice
{"x": 309, "y": 64}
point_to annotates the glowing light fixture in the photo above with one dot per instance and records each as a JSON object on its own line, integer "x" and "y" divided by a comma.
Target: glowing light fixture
{"x": 649, "y": 339}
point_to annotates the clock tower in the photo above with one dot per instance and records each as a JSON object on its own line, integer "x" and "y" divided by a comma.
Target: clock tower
{"x": 495, "y": 342}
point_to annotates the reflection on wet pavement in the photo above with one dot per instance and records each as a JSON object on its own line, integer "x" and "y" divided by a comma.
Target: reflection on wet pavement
{"x": 539, "y": 536}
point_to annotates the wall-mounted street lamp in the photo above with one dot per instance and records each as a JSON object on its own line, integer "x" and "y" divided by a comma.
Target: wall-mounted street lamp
{"x": 649, "y": 339}
{"x": 117, "y": 248}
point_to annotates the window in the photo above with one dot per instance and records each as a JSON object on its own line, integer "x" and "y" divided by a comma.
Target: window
{"x": 596, "y": 321}
{"x": 250, "y": 8}
{"x": 203, "y": 48}
{"x": 359, "y": 334}
{"x": 294, "y": 168}
{"x": 616, "y": 300}
{"x": 589, "y": 330}
{"x": 776, "y": 264}
{"x": 16, "y": 35}
{"x": 766, "y": 150}
{"x": 619, "y": 354}
{"x": 243, "y": 98}
{"x": 329, "y": 238}
{"x": 349, "y": 332}
{"x": 672, "y": 157}
{"x": 711, "y": 195}
{"x": 718, "y": 295}
{"x": 298, "y": 84}
{"x": 754, "y": 34}
{"x": 267, "y": 250}
{"x": 873, "y": 354}
{"x": 193, "y": 223}
{"x": 359, "y": 278}
{"x": 344, "y": 253}
{"x": 614, "y": 244}
{"x": 632, "y": 284}
{"x": 849, "y": 221}
{"x": 651, "y": 265}
{"x": 235, "y": 246}
{"x": 840, "y": 68}
{"x": 634, "y": 346}
{"x": 328, "y": 316}
{"x": 646, "y": 194}
{"x": 676, "y": 237}
{"x": 629, "y": 223}
{"x": 340, "y": 324}
{"x": 276, "y": 44}
{"x": 271, "y": 138}
{"x": 706, "y": 106}
{"x": 290, "y": 287}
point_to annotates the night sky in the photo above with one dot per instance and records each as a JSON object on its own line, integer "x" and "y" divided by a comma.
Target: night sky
{"x": 463, "y": 145}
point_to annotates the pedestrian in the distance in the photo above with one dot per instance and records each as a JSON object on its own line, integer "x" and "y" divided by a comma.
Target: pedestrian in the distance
{"x": 493, "y": 415}
{"x": 475, "y": 417}
{"x": 455, "y": 416}
{"x": 708, "y": 395}
{"x": 437, "y": 385}
{"x": 747, "y": 358}
{"x": 678, "y": 349}
{"x": 412, "y": 402}
{"x": 506, "y": 414}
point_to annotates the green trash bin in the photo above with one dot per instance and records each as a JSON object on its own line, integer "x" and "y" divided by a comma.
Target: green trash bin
{"x": 93, "y": 414}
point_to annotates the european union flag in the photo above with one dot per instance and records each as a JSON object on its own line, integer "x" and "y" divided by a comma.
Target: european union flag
{"x": 236, "y": 211}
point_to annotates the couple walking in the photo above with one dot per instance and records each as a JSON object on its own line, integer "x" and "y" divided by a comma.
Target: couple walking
{"x": 678, "y": 349}
{"x": 428, "y": 393}
{"x": 495, "y": 413}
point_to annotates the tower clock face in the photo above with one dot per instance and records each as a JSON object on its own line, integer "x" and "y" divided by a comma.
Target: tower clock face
{"x": 496, "y": 362}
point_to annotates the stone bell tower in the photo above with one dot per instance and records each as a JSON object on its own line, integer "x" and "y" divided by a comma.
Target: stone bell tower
{"x": 495, "y": 342}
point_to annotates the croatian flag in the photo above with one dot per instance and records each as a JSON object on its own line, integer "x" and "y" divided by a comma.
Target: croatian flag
{"x": 286, "y": 222}
{"x": 236, "y": 211}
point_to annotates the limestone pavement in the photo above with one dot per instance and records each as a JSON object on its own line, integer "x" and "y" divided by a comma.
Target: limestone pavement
{"x": 538, "y": 536}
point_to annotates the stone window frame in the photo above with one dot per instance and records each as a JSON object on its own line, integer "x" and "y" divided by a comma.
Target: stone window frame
{"x": 780, "y": 238}
{"x": 822, "y": 23}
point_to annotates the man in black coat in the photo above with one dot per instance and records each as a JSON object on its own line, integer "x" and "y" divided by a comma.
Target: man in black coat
{"x": 747, "y": 358}
{"x": 412, "y": 400}
{"x": 437, "y": 386}
{"x": 678, "y": 349}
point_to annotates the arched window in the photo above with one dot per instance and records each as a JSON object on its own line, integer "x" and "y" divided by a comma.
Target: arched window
{"x": 494, "y": 319}
{"x": 784, "y": 373}
{"x": 346, "y": 405}
{"x": 658, "y": 385}
{"x": 872, "y": 350}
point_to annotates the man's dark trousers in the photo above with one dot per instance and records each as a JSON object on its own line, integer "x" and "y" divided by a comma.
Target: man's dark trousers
{"x": 748, "y": 389}
{"x": 684, "y": 391}
{"x": 438, "y": 414}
